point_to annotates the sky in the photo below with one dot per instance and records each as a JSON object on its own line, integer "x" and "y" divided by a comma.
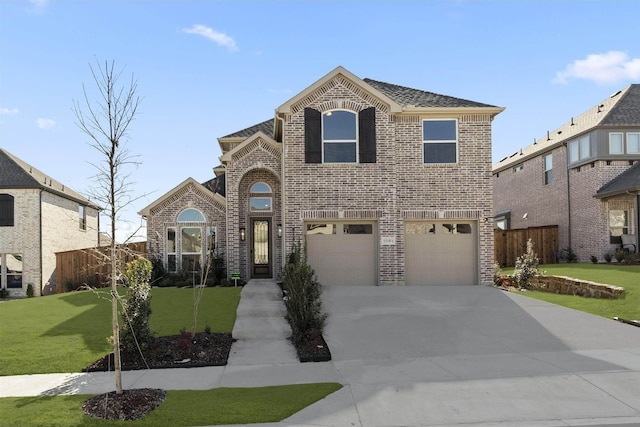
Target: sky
{"x": 205, "y": 69}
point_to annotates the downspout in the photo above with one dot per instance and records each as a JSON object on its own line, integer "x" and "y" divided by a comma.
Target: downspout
{"x": 283, "y": 219}
{"x": 40, "y": 245}
{"x": 566, "y": 153}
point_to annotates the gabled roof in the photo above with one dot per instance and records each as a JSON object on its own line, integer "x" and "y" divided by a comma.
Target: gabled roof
{"x": 408, "y": 97}
{"x": 620, "y": 109}
{"x": 217, "y": 185}
{"x": 15, "y": 173}
{"x": 169, "y": 197}
{"x": 627, "y": 181}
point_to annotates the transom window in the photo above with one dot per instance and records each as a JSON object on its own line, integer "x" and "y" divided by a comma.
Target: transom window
{"x": 6, "y": 210}
{"x": 548, "y": 169}
{"x": 191, "y": 215}
{"x": 440, "y": 141}
{"x": 263, "y": 202}
{"x": 339, "y": 137}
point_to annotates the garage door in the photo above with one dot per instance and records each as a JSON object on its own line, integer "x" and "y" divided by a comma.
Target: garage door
{"x": 441, "y": 253}
{"x": 343, "y": 254}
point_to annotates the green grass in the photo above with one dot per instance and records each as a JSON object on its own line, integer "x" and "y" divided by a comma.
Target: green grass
{"x": 181, "y": 408}
{"x": 67, "y": 332}
{"x": 627, "y": 276}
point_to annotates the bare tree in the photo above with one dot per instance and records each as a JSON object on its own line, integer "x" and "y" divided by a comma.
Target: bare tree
{"x": 106, "y": 121}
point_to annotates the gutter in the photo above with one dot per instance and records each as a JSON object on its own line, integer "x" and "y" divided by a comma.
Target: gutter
{"x": 40, "y": 244}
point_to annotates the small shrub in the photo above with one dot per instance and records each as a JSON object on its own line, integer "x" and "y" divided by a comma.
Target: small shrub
{"x": 137, "y": 307}
{"x": 207, "y": 329}
{"x": 526, "y": 267}
{"x": 185, "y": 341}
{"x": 4, "y": 293}
{"x": 632, "y": 259}
{"x": 158, "y": 272}
{"x": 497, "y": 272}
{"x": 619, "y": 255}
{"x": 594, "y": 259}
{"x": 68, "y": 286}
{"x": 608, "y": 257}
{"x": 30, "y": 290}
{"x": 569, "y": 255}
{"x": 303, "y": 303}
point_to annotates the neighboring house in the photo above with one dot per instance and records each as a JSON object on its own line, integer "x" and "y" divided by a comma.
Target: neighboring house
{"x": 38, "y": 217}
{"x": 386, "y": 185}
{"x": 583, "y": 177}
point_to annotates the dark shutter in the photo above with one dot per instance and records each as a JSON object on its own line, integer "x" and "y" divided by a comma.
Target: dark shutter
{"x": 312, "y": 136}
{"x": 367, "y": 125}
{"x": 6, "y": 210}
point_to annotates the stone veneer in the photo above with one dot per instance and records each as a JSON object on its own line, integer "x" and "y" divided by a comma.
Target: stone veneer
{"x": 570, "y": 286}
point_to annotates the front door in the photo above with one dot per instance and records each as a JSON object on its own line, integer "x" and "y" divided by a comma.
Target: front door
{"x": 261, "y": 248}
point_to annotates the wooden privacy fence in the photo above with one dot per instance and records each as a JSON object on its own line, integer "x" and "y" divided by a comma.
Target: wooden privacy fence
{"x": 510, "y": 244}
{"x": 89, "y": 266}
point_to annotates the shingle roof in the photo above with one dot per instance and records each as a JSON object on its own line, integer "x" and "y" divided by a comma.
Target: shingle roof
{"x": 406, "y": 96}
{"x": 628, "y": 180}
{"x": 620, "y": 109}
{"x": 15, "y": 173}
{"x": 216, "y": 185}
{"x": 266, "y": 127}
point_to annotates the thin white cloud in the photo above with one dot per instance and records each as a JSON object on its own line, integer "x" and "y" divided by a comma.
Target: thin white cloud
{"x": 45, "y": 123}
{"x": 8, "y": 111}
{"x": 610, "y": 67}
{"x": 209, "y": 33}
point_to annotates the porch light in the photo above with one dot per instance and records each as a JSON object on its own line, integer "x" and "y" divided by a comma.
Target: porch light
{"x": 243, "y": 233}
{"x": 279, "y": 230}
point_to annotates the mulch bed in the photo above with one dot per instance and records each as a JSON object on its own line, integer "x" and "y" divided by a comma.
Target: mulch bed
{"x": 175, "y": 351}
{"x": 313, "y": 348}
{"x": 126, "y": 406}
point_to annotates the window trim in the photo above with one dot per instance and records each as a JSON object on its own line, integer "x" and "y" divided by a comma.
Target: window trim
{"x": 441, "y": 141}
{"x": 174, "y": 253}
{"x": 184, "y": 253}
{"x": 355, "y": 141}
{"x": 184, "y": 211}
{"x": 637, "y": 134}
{"x": 82, "y": 217}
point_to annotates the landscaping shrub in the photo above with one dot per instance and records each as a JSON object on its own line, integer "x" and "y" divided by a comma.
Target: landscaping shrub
{"x": 608, "y": 256}
{"x": 135, "y": 331}
{"x": 4, "y": 293}
{"x": 594, "y": 259}
{"x": 526, "y": 267}
{"x": 30, "y": 290}
{"x": 497, "y": 272}
{"x": 619, "y": 255}
{"x": 569, "y": 255}
{"x": 302, "y": 300}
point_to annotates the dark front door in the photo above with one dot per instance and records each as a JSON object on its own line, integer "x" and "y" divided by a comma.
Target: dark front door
{"x": 261, "y": 248}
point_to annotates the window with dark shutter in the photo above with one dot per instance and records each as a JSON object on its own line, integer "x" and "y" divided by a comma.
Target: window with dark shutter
{"x": 367, "y": 129}
{"x": 312, "y": 136}
{"x": 6, "y": 210}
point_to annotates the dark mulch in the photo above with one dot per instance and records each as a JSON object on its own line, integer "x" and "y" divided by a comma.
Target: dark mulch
{"x": 175, "y": 351}
{"x": 312, "y": 348}
{"x": 126, "y": 406}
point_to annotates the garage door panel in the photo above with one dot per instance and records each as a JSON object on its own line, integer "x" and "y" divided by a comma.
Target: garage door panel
{"x": 441, "y": 253}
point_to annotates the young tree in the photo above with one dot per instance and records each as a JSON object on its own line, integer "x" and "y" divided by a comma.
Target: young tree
{"x": 106, "y": 121}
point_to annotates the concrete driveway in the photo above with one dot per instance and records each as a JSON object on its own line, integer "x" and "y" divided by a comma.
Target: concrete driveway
{"x": 427, "y": 356}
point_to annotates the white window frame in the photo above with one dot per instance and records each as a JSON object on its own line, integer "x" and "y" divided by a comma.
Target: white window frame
{"x": 518, "y": 168}
{"x": 620, "y": 142}
{"x": 585, "y": 146}
{"x": 441, "y": 141}
{"x": 341, "y": 141}
{"x": 4, "y": 274}
{"x": 579, "y": 149}
{"x": 184, "y": 253}
{"x": 636, "y": 136}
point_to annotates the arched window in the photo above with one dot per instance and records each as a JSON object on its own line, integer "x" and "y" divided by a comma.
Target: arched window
{"x": 263, "y": 201}
{"x": 190, "y": 215}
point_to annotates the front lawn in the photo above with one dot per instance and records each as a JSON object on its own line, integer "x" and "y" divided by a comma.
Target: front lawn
{"x": 181, "y": 408}
{"x": 67, "y": 332}
{"x": 627, "y": 276}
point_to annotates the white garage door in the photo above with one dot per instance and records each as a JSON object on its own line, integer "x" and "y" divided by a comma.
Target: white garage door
{"x": 343, "y": 254}
{"x": 441, "y": 253}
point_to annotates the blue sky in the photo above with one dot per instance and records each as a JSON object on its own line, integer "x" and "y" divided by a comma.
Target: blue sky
{"x": 207, "y": 69}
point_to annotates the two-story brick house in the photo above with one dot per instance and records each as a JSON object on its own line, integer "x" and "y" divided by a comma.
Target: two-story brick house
{"x": 38, "y": 217}
{"x": 582, "y": 177}
{"x": 384, "y": 184}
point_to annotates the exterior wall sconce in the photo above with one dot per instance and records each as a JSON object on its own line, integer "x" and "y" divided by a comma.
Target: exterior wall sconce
{"x": 279, "y": 230}
{"x": 243, "y": 233}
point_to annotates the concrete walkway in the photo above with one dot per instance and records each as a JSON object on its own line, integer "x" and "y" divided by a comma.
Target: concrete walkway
{"x": 438, "y": 356}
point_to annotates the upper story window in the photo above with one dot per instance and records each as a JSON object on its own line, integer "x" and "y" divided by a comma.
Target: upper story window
{"x": 548, "y": 169}
{"x": 263, "y": 201}
{"x": 191, "y": 215}
{"x": 340, "y": 136}
{"x": 616, "y": 145}
{"x": 633, "y": 142}
{"x": 440, "y": 141}
{"x": 6, "y": 210}
{"x": 519, "y": 167}
{"x": 579, "y": 149}
{"x": 82, "y": 217}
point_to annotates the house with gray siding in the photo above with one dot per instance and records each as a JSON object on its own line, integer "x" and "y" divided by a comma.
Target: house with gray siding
{"x": 385, "y": 185}
{"x": 583, "y": 177}
{"x": 39, "y": 216}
